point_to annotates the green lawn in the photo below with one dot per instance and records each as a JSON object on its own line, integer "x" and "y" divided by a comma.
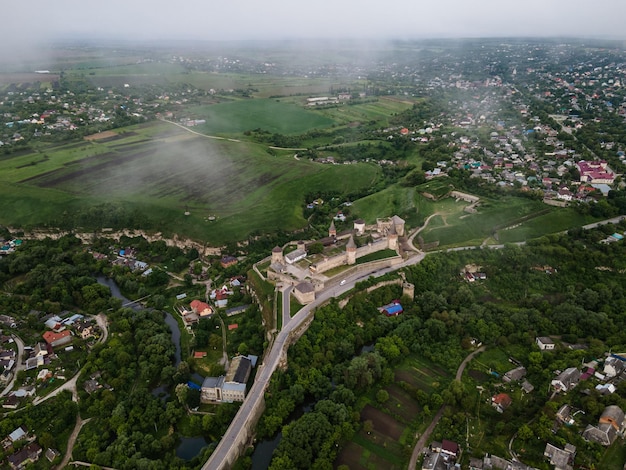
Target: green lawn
{"x": 380, "y": 109}
{"x": 268, "y": 114}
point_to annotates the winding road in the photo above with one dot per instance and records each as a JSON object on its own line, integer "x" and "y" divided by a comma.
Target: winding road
{"x": 19, "y": 365}
{"x": 421, "y": 442}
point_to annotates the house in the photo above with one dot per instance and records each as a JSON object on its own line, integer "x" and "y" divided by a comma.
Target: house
{"x": 84, "y": 328}
{"x": 562, "y": 459}
{"x": 51, "y": 454}
{"x": 391, "y": 310}
{"x": 40, "y": 350}
{"x": 527, "y": 386}
{"x": 603, "y": 434}
{"x": 545, "y": 343}
{"x": 57, "y": 339}
{"x": 566, "y": 380}
{"x": 54, "y": 323}
{"x": 232, "y": 386}
{"x": 91, "y": 386}
{"x": 201, "y": 308}
{"x": 28, "y": 454}
{"x": 515, "y": 375}
{"x": 610, "y": 425}
{"x": 295, "y": 256}
{"x": 19, "y": 433}
{"x": 11, "y": 402}
{"x": 565, "y": 416}
{"x": 614, "y": 416}
{"x": 501, "y": 402}
{"x": 613, "y": 366}
{"x": 228, "y": 261}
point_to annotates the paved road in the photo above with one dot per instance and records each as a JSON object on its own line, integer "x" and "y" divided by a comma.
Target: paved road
{"x": 19, "y": 365}
{"x": 287, "y": 304}
{"x": 423, "y": 440}
{"x": 272, "y": 359}
{"x": 273, "y": 356}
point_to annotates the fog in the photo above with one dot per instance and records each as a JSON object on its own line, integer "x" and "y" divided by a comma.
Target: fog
{"x": 143, "y": 20}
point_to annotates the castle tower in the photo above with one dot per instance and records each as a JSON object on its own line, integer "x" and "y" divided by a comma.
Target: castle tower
{"x": 277, "y": 255}
{"x": 398, "y": 223}
{"x": 408, "y": 290}
{"x": 332, "y": 231}
{"x": 351, "y": 251}
{"x": 359, "y": 226}
{"x": 392, "y": 238}
{"x": 301, "y": 246}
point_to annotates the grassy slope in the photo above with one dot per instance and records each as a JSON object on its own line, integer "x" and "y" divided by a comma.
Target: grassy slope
{"x": 246, "y": 188}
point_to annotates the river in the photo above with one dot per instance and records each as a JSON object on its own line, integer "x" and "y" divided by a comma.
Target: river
{"x": 169, "y": 319}
{"x": 189, "y": 447}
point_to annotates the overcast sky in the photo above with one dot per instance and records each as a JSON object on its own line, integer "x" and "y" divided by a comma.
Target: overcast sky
{"x": 43, "y": 20}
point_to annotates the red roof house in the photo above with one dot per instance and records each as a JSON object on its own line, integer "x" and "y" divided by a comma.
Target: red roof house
{"x": 57, "y": 339}
{"x": 201, "y": 308}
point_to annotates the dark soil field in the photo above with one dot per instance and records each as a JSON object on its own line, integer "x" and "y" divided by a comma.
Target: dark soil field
{"x": 383, "y": 423}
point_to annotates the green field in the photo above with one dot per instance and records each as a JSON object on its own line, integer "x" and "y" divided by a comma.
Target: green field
{"x": 453, "y": 227}
{"x": 270, "y": 115}
{"x": 380, "y": 109}
{"x": 162, "y": 170}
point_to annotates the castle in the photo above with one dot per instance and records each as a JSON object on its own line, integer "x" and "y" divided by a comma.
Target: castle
{"x": 381, "y": 236}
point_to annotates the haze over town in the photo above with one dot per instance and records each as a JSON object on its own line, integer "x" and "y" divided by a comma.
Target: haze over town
{"x": 277, "y": 19}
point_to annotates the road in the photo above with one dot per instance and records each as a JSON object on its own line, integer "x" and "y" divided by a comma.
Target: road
{"x": 199, "y": 134}
{"x": 287, "y": 304}
{"x": 273, "y": 357}
{"x": 19, "y": 365}
{"x": 72, "y": 440}
{"x": 423, "y": 440}
{"x": 278, "y": 348}
{"x": 71, "y": 384}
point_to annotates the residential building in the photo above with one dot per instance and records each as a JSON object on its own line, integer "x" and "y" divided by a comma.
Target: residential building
{"x": 603, "y": 434}
{"x": 232, "y": 386}
{"x": 57, "y": 339}
{"x": 515, "y": 375}
{"x": 562, "y": 459}
{"x": 545, "y": 343}
{"x": 566, "y": 380}
{"x": 614, "y": 416}
{"x": 28, "y": 454}
{"x": 501, "y": 402}
{"x": 613, "y": 366}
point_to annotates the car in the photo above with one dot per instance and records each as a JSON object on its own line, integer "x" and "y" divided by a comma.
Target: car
{"x": 342, "y": 282}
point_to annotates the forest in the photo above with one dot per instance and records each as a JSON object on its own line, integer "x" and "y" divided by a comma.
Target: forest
{"x": 569, "y": 286}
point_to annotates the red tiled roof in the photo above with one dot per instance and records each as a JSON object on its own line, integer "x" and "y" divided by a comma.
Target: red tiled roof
{"x": 50, "y": 336}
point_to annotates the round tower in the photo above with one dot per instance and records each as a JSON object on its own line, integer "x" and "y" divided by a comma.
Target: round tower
{"x": 351, "y": 251}
{"x": 277, "y": 255}
{"x": 408, "y": 290}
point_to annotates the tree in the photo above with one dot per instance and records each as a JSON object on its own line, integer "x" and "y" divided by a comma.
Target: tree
{"x": 382, "y": 396}
{"x": 368, "y": 426}
{"x": 525, "y": 433}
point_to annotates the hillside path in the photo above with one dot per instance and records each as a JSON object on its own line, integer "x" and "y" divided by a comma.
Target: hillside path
{"x": 421, "y": 442}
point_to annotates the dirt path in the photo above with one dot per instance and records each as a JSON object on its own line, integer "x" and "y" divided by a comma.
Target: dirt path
{"x": 422, "y": 441}
{"x": 72, "y": 440}
{"x": 199, "y": 134}
{"x": 419, "y": 229}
